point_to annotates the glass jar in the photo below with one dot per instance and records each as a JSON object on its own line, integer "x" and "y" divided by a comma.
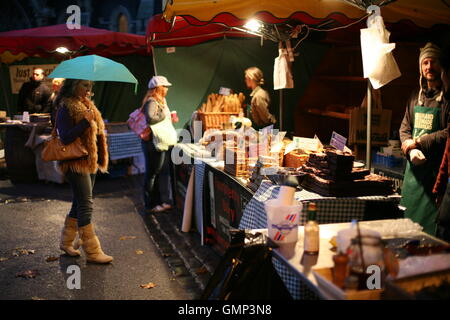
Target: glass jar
{"x": 372, "y": 249}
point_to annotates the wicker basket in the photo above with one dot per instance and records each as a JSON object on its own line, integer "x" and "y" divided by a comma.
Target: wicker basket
{"x": 215, "y": 120}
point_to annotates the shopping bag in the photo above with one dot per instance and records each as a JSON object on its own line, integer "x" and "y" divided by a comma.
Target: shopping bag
{"x": 380, "y": 124}
{"x": 138, "y": 124}
{"x": 246, "y": 272}
{"x": 164, "y": 134}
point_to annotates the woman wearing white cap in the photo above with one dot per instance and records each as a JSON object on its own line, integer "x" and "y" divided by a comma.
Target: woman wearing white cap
{"x": 156, "y": 110}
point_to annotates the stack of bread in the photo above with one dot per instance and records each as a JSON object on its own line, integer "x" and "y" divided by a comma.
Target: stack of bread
{"x": 220, "y": 103}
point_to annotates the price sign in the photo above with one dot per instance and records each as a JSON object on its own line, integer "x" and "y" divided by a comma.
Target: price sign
{"x": 306, "y": 143}
{"x": 338, "y": 141}
{"x": 225, "y": 91}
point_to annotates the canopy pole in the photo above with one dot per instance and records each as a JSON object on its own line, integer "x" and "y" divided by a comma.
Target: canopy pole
{"x": 369, "y": 126}
{"x": 154, "y": 61}
{"x": 281, "y": 109}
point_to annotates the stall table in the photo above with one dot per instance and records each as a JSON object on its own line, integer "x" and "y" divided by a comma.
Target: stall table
{"x": 21, "y": 160}
{"x": 222, "y": 201}
{"x": 295, "y": 267}
{"x": 214, "y": 209}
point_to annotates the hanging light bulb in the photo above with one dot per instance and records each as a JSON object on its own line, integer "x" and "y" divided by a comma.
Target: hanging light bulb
{"x": 253, "y": 25}
{"x": 62, "y": 50}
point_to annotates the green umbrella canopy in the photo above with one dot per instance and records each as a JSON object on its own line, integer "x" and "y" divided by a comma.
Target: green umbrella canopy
{"x": 94, "y": 68}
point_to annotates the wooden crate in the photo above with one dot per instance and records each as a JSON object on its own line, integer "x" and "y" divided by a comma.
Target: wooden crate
{"x": 406, "y": 288}
{"x": 215, "y": 120}
{"x": 324, "y": 278}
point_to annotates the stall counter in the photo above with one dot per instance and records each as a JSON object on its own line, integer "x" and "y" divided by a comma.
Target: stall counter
{"x": 296, "y": 268}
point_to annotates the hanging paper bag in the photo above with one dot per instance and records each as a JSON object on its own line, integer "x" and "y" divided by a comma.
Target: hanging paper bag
{"x": 378, "y": 62}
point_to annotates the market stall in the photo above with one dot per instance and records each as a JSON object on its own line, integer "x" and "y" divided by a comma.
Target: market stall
{"x": 224, "y": 199}
{"x": 21, "y": 50}
{"x": 327, "y": 173}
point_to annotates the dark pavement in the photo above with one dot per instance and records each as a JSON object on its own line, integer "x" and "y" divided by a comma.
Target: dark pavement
{"x": 146, "y": 248}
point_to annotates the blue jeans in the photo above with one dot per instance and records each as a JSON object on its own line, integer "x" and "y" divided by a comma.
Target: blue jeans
{"x": 157, "y": 187}
{"x": 82, "y": 203}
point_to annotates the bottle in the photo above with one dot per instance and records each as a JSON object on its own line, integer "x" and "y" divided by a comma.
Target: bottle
{"x": 311, "y": 236}
{"x": 340, "y": 270}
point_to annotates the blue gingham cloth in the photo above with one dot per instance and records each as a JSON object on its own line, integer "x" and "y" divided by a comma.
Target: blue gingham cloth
{"x": 199, "y": 168}
{"x": 123, "y": 145}
{"x": 329, "y": 210}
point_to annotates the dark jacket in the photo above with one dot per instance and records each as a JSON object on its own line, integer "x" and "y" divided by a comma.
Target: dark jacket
{"x": 34, "y": 97}
{"x": 432, "y": 145}
{"x": 444, "y": 171}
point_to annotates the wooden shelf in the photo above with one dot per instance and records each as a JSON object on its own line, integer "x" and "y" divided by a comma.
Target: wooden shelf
{"x": 330, "y": 114}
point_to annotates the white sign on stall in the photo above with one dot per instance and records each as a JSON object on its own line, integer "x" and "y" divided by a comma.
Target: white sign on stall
{"x": 19, "y": 74}
{"x": 307, "y": 144}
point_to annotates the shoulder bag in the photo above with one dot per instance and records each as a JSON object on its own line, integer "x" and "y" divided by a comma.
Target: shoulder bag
{"x": 138, "y": 124}
{"x": 54, "y": 149}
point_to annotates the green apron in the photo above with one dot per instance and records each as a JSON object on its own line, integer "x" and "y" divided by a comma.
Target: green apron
{"x": 419, "y": 180}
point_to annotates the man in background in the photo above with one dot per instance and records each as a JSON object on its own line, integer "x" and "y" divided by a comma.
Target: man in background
{"x": 34, "y": 95}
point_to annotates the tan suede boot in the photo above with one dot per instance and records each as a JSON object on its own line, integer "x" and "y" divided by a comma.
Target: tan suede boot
{"x": 91, "y": 245}
{"x": 68, "y": 234}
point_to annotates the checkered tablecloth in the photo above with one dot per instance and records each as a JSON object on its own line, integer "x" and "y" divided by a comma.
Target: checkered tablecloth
{"x": 329, "y": 210}
{"x": 196, "y": 155}
{"x": 123, "y": 145}
{"x": 199, "y": 169}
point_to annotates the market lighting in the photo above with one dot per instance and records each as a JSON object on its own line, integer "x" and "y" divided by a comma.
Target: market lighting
{"x": 253, "y": 25}
{"x": 62, "y": 50}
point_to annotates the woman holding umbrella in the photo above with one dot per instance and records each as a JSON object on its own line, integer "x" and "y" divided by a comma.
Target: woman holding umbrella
{"x": 77, "y": 116}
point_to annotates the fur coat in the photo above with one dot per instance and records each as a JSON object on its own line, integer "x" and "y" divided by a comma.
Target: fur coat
{"x": 93, "y": 138}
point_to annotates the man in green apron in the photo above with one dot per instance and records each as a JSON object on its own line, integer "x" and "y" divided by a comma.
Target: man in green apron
{"x": 423, "y": 135}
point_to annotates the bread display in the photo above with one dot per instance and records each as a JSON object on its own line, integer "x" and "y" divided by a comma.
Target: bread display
{"x": 220, "y": 103}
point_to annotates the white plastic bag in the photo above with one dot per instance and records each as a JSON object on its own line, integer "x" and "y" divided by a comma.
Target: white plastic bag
{"x": 378, "y": 62}
{"x": 282, "y": 75}
{"x": 164, "y": 134}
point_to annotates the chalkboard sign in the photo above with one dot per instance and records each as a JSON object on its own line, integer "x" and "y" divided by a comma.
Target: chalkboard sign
{"x": 228, "y": 199}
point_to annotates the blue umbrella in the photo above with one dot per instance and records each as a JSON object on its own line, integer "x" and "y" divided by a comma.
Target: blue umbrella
{"x": 94, "y": 68}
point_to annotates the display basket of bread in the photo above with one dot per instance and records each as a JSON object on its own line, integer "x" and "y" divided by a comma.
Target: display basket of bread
{"x": 219, "y": 108}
